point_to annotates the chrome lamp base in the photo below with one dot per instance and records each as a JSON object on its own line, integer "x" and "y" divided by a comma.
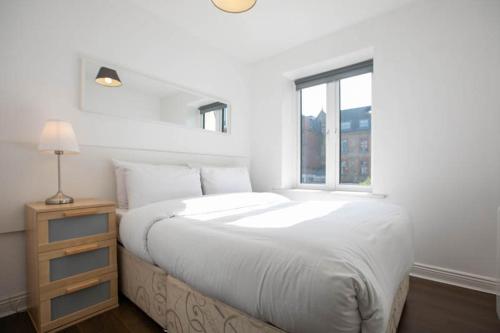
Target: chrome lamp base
{"x": 58, "y": 199}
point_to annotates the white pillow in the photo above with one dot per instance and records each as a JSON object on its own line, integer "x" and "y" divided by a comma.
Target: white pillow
{"x": 155, "y": 183}
{"x": 216, "y": 180}
{"x": 121, "y": 187}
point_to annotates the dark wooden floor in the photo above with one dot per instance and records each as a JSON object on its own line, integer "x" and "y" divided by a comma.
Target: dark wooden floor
{"x": 431, "y": 308}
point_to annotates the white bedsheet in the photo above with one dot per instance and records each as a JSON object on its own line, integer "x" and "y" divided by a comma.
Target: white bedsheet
{"x": 305, "y": 267}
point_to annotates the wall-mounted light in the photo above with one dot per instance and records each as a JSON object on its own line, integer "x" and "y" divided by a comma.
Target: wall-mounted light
{"x": 108, "y": 77}
{"x": 234, "y": 6}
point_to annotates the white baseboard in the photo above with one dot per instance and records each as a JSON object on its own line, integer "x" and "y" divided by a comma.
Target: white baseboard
{"x": 456, "y": 278}
{"x": 13, "y": 304}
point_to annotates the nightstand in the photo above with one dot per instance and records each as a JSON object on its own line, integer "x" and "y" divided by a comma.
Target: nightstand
{"x": 71, "y": 262}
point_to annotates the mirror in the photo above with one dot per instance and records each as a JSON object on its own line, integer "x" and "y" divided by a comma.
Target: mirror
{"x": 115, "y": 91}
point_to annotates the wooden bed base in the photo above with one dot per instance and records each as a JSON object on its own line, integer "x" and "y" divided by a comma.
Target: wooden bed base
{"x": 179, "y": 309}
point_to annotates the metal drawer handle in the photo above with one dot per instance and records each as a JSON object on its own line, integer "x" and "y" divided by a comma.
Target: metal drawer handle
{"x": 79, "y": 249}
{"x": 83, "y": 285}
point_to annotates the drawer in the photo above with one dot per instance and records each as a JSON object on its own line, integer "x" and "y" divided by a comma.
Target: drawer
{"x": 78, "y": 301}
{"x": 60, "y": 267}
{"x": 73, "y": 227}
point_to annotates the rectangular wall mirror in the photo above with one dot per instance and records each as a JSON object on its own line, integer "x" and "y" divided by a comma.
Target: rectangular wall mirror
{"x": 120, "y": 92}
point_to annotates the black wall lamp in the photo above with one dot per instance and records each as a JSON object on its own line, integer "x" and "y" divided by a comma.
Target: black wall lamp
{"x": 108, "y": 77}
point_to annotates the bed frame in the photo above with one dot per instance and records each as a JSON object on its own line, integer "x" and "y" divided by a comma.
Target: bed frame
{"x": 179, "y": 309}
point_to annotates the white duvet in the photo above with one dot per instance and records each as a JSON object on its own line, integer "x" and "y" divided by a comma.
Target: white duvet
{"x": 305, "y": 267}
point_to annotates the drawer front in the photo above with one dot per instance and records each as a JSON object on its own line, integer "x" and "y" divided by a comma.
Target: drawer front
{"x": 63, "y": 229}
{"x": 73, "y": 264}
{"x": 78, "y": 226}
{"x": 64, "y": 305}
{"x": 64, "y": 267}
{"x": 79, "y": 300}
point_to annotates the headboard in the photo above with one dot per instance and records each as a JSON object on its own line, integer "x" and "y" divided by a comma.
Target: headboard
{"x": 28, "y": 175}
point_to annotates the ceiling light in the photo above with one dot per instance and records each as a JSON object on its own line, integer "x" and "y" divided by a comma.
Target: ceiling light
{"x": 234, "y": 6}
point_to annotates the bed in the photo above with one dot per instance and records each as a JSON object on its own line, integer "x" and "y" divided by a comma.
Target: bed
{"x": 258, "y": 262}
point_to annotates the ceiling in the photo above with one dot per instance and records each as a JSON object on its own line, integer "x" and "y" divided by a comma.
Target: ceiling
{"x": 271, "y": 27}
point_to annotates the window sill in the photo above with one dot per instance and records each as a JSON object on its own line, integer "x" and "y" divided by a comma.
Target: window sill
{"x": 323, "y": 194}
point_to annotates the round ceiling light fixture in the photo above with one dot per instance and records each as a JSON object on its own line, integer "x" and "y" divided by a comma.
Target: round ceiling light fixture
{"x": 234, "y": 6}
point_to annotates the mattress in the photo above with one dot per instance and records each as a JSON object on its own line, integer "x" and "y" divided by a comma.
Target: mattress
{"x": 295, "y": 265}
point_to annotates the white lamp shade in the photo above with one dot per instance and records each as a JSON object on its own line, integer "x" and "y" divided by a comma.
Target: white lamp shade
{"x": 58, "y": 135}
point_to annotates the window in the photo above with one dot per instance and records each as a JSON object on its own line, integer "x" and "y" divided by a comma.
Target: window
{"x": 363, "y": 145}
{"x": 210, "y": 121}
{"x": 335, "y": 111}
{"x": 363, "y": 168}
{"x": 344, "y": 146}
{"x": 345, "y": 125}
{"x": 343, "y": 167}
{"x": 355, "y": 107}
{"x": 313, "y": 135}
{"x": 214, "y": 117}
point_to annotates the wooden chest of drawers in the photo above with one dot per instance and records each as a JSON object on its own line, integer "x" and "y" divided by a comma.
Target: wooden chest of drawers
{"x": 71, "y": 262}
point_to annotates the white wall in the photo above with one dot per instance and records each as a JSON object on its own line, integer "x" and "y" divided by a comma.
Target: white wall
{"x": 436, "y": 118}
{"x": 41, "y": 43}
{"x": 13, "y": 279}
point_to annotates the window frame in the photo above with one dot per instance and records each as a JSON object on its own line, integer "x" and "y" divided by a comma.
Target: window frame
{"x": 333, "y": 144}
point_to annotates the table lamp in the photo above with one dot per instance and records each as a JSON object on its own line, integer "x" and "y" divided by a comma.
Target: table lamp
{"x": 59, "y": 138}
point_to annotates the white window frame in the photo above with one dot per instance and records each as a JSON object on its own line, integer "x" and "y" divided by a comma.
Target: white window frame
{"x": 332, "y": 163}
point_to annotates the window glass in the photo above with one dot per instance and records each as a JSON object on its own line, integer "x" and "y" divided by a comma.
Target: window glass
{"x": 344, "y": 146}
{"x": 364, "y": 123}
{"x": 313, "y": 135}
{"x": 345, "y": 125}
{"x": 355, "y": 109}
{"x": 363, "y": 145}
{"x": 356, "y": 91}
{"x": 215, "y": 120}
{"x": 364, "y": 168}
{"x": 210, "y": 121}
{"x": 343, "y": 167}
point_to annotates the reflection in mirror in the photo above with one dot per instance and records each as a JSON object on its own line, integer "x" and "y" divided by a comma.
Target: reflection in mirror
{"x": 115, "y": 91}
{"x": 214, "y": 117}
